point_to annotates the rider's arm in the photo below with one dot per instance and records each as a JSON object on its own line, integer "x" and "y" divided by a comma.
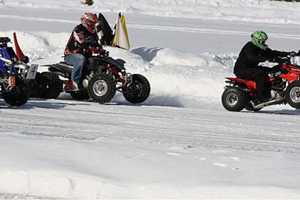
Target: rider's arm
{"x": 79, "y": 37}
{"x": 274, "y": 53}
{"x": 255, "y": 56}
{"x": 11, "y": 53}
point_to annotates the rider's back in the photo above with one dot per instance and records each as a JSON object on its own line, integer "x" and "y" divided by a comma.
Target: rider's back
{"x": 249, "y": 57}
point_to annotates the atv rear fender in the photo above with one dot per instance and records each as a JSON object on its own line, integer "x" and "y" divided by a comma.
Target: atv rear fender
{"x": 249, "y": 84}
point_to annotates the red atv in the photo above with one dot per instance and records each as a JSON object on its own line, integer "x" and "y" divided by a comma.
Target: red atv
{"x": 285, "y": 88}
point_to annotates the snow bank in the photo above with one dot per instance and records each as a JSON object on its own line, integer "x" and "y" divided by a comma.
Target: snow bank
{"x": 41, "y": 45}
{"x": 176, "y": 78}
{"x": 182, "y": 78}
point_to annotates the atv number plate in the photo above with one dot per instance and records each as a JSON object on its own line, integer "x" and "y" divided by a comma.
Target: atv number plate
{"x": 32, "y": 71}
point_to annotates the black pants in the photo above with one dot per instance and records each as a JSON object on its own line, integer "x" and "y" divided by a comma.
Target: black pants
{"x": 260, "y": 76}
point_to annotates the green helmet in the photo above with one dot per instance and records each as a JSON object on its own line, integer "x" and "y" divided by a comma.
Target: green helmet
{"x": 259, "y": 38}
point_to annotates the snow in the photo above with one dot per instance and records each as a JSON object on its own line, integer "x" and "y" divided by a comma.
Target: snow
{"x": 179, "y": 144}
{"x": 245, "y": 10}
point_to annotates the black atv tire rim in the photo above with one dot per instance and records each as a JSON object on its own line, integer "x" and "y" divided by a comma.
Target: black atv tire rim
{"x": 100, "y": 88}
{"x": 135, "y": 88}
{"x": 232, "y": 99}
{"x": 295, "y": 94}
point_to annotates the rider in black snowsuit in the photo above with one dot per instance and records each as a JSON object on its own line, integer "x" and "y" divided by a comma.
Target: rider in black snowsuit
{"x": 247, "y": 64}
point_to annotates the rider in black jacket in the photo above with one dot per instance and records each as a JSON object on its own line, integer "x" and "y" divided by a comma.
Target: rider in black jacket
{"x": 247, "y": 64}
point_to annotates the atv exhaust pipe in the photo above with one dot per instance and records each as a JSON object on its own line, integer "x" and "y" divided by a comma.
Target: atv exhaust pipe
{"x": 267, "y": 103}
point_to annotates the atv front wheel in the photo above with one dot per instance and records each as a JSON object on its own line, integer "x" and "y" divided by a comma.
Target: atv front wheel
{"x": 233, "y": 99}
{"x": 16, "y": 96}
{"x": 102, "y": 88}
{"x": 137, "y": 89}
{"x": 292, "y": 95}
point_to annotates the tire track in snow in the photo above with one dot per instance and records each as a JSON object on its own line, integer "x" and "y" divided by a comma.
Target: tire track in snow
{"x": 212, "y": 135}
{"x": 209, "y": 31}
{"x": 18, "y": 17}
{"x": 162, "y": 27}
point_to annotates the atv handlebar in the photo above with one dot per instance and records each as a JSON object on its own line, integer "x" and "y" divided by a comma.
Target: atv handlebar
{"x": 281, "y": 60}
{"x": 15, "y": 62}
{"x": 7, "y": 61}
{"x": 285, "y": 59}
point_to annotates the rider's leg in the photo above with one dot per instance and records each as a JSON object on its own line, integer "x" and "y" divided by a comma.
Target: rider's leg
{"x": 257, "y": 74}
{"x": 77, "y": 61}
{"x": 262, "y": 86}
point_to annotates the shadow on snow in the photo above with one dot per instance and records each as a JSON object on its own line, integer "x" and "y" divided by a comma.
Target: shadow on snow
{"x": 39, "y": 103}
{"x": 278, "y": 112}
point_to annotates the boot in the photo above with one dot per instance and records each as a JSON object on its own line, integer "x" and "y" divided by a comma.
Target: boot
{"x": 70, "y": 86}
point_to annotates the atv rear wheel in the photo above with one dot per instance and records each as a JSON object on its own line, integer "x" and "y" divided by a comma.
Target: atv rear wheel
{"x": 233, "y": 99}
{"x": 137, "y": 90}
{"x": 292, "y": 95}
{"x": 102, "y": 88}
{"x": 50, "y": 86}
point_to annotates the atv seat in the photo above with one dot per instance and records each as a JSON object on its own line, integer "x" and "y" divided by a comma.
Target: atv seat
{"x": 61, "y": 67}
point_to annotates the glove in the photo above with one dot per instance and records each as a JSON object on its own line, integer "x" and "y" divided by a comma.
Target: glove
{"x": 25, "y": 59}
{"x": 104, "y": 53}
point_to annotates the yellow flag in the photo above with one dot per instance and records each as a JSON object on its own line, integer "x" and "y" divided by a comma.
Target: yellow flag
{"x": 121, "y": 38}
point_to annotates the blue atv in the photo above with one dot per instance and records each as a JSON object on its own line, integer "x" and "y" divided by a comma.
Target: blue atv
{"x": 13, "y": 75}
